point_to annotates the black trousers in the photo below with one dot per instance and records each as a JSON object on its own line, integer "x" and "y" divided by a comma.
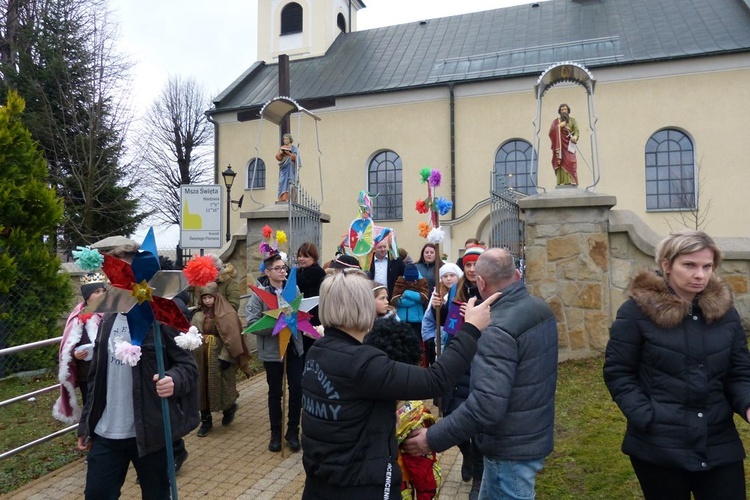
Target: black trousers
{"x": 275, "y": 377}
{"x": 725, "y": 482}
{"x": 108, "y": 462}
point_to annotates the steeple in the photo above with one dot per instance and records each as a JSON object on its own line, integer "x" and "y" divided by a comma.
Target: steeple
{"x": 302, "y": 28}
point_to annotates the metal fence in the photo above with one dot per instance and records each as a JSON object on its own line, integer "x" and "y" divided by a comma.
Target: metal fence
{"x": 304, "y": 222}
{"x": 505, "y": 216}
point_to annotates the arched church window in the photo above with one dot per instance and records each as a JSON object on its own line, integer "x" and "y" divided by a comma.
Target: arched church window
{"x": 513, "y": 166}
{"x": 670, "y": 171}
{"x": 291, "y": 19}
{"x": 384, "y": 179}
{"x": 259, "y": 182}
{"x": 341, "y": 22}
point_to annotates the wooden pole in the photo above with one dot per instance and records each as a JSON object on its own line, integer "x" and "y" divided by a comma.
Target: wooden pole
{"x": 283, "y": 404}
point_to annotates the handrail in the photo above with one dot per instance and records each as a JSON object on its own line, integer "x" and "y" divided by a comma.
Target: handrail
{"x": 27, "y": 347}
{"x": 41, "y": 440}
{"x": 29, "y": 395}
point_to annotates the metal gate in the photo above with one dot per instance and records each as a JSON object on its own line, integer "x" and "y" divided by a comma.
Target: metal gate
{"x": 304, "y": 222}
{"x": 505, "y": 216}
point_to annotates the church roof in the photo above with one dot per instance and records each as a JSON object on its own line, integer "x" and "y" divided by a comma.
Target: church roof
{"x": 502, "y": 43}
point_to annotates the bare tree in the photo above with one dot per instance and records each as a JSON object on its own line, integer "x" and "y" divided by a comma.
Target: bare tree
{"x": 176, "y": 149}
{"x": 697, "y": 216}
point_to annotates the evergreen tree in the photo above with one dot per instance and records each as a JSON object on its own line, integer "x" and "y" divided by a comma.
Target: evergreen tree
{"x": 33, "y": 293}
{"x": 65, "y": 67}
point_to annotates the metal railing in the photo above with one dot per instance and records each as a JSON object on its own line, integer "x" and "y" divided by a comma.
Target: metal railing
{"x": 27, "y": 347}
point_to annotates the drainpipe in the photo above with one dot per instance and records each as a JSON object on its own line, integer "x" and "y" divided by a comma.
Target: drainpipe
{"x": 349, "y": 27}
{"x": 216, "y": 146}
{"x": 453, "y": 147}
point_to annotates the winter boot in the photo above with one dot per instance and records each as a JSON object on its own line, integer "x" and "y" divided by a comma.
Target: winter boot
{"x": 206, "y": 423}
{"x": 275, "y": 443}
{"x": 229, "y": 415}
{"x": 292, "y": 437}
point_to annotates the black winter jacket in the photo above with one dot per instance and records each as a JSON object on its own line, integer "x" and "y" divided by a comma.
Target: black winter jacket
{"x": 678, "y": 372}
{"x": 183, "y": 404}
{"x": 511, "y": 405}
{"x": 349, "y": 394}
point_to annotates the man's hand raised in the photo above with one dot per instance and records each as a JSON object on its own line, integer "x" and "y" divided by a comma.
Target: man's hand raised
{"x": 479, "y": 316}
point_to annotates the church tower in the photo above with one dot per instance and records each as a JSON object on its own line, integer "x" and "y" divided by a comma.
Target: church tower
{"x": 302, "y": 28}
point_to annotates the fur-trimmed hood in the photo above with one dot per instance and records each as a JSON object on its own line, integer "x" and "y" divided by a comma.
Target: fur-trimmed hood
{"x": 652, "y": 294}
{"x": 226, "y": 274}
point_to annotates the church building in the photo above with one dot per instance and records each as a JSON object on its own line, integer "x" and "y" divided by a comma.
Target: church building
{"x": 458, "y": 94}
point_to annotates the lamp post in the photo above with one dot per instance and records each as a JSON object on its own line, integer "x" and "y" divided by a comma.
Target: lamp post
{"x": 229, "y": 176}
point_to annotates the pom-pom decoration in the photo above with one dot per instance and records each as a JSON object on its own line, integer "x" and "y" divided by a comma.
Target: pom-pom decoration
{"x": 442, "y": 205}
{"x": 424, "y": 229}
{"x": 435, "y": 178}
{"x": 424, "y": 174}
{"x": 127, "y": 353}
{"x": 422, "y": 207}
{"x": 267, "y": 231}
{"x": 436, "y": 235}
{"x": 200, "y": 271}
{"x": 280, "y": 237}
{"x": 88, "y": 259}
{"x": 190, "y": 340}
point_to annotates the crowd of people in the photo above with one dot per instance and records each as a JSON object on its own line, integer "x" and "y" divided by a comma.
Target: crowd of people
{"x": 466, "y": 336}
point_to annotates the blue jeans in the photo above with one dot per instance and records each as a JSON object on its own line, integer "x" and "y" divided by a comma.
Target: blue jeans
{"x": 509, "y": 479}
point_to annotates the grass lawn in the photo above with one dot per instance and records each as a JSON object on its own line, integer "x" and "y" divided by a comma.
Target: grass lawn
{"x": 586, "y": 464}
{"x": 587, "y": 461}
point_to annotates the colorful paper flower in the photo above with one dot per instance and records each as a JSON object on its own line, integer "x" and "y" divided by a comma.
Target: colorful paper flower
{"x": 267, "y": 231}
{"x": 421, "y": 207}
{"x": 281, "y": 237}
{"x": 436, "y": 236}
{"x": 425, "y": 174}
{"x": 88, "y": 259}
{"x": 424, "y": 229}
{"x": 442, "y": 205}
{"x": 200, "y": 271}
{"x": 435, "y": 178}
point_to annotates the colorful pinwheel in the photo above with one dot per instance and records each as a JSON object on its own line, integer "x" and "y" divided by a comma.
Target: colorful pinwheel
{"x": 143, "y": 292}
{"x": 287, "y": 314}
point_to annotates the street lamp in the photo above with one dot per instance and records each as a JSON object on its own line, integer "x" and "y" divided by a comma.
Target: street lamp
{"x": 229, "y": 176}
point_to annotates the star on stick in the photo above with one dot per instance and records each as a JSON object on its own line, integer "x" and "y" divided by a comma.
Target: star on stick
{"x": 286, "y": 314}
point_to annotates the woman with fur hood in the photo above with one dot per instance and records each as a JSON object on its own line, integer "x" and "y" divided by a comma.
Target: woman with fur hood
{"x": 678, "y": 366}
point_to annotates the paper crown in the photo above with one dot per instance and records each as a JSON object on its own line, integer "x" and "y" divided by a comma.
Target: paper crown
{"x": 93, "y": 278}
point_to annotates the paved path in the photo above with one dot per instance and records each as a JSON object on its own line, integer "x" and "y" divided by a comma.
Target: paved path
{"x": 231, "y": 462}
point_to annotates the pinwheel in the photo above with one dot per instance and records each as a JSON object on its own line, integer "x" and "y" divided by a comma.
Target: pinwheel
{"x": 363, "y": 235}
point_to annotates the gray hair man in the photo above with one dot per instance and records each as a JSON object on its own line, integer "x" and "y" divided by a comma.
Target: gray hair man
{"x": 511, "y": 406}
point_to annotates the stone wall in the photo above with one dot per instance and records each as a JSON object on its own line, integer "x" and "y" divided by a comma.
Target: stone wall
{"x": 581, "y": 254}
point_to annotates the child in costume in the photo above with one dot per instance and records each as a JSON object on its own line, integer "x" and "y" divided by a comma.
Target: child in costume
{"x": 222, "y": 351}
{"x": 421, "y": 475}
{"x": 383, "y": 309}
{"x": 449, "y": 275}
{"x": 77, "y": 349}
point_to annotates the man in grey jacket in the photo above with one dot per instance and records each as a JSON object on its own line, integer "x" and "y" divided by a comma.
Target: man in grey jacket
{"x": 511, "y": 406}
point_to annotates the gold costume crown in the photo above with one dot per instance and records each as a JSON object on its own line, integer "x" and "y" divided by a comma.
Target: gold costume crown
{"x": 91, "y": 278}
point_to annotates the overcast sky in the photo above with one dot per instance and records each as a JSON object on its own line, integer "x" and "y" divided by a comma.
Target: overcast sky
{"x": 216, "y": 41}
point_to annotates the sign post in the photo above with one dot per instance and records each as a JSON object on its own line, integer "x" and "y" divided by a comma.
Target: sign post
{"x": 200, "y": 216}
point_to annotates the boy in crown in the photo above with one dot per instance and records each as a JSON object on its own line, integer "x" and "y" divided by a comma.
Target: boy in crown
{"x": 76, "y": 350}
